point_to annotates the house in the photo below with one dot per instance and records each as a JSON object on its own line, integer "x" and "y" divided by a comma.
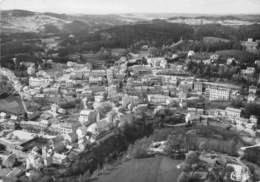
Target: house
{"x": 198, "y": 87}
{"x": 98, "y": 73}
{"x": 253, "y": 119}
{"x": 252, "y": 89}
{"x": 112, "y": 90}
{"x": 251, "y": 98}
{"x": 233, "y": 113}
{"x": 3, "y": 115}
{"x": 31, "y": 70}
{"x": 100, "y": 97}
{"x": 10, "y": 124}
{"x": 250, "y": 45}
{"x": 216, "y": 112}
{"x": 96, "y": 80}
{"x": 169, "y": 80}
{"x": 191, "y": 53}
{"x": 88, "y": 116}
{"x": 157, "y": 62}
{"x": 43, "y": 74}
{"x": 63, "y": 128}
{"x": 59, "y": 158}
{"x": 187, "y": 84}
{"x": 248, "y": 71}
{"x": 240, "y": 173}
{"x": 93, "y": 132}
{"x": 127, "y": 100}
{"x": 257, "y": 63}
{"x": 231, "y": 61}
{"x": 33, "y": 126}
{"x": 157, "y": 99}
{"x": 207, "y": 61}
{"x": 214, "y": 57}
{"x": 39, "y": 82}
{"x": 13, "y": 117}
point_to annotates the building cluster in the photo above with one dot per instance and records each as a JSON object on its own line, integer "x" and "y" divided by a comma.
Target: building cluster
{"x": 84, "y": 105}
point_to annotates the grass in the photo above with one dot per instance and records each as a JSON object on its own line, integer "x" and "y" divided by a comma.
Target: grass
{"x": 157, "y": 169}
{"x": 11, "y": 105}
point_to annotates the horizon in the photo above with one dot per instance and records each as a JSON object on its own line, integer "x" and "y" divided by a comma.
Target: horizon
{"x": 135, "y": 13}
{"x": 210, "y": 7}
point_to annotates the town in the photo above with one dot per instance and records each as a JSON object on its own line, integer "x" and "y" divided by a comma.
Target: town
{"x": 77, "y": 120}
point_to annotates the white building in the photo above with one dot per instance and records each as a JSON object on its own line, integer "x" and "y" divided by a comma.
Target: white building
{"x": 169, "y": 80}
{"x": 252, "y": 89}
{"x": 233, "y": 113}
{"x": 191, "y": 53}
{"x": 157, "y": 99}
{"x": 220, "y": 91}
{"x": 39, "y": 82}
{"x": 96, "y": 79}
{"x": 251, "y": 98}
{"x": 88, "y": 116}
{"x": 248, "y": 71}
{"x": 157, "y": 62}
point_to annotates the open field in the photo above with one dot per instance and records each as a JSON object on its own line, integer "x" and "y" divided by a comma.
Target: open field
{"x": 157, "y": 169}
{"x": 11, "y": 105}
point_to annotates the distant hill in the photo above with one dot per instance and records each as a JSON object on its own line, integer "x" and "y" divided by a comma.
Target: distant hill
{"x": 25, "y": 21}
{"x": 13, "y": 21}
{"x": 17, "y": 13}
{"x": 231, "y": 20}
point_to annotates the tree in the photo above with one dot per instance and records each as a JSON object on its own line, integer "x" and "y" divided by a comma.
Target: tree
{"x": 183, "y": 177}
{"x": 85, "y": 177}
{"x": 203, "y": 146}
{"x": 191, "y": 158}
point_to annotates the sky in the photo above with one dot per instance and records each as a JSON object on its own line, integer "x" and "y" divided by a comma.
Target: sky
{"x": 136, "y": 6}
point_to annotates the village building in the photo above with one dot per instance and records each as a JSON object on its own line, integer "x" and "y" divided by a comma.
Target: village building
{"x": 231, "y": 61}
{"x": 233, "y": 113}
{"x": 252, "y": 89}
{"x": 88, "y": 116}
{"x": 198, "y": 87}
{"x": 157, "y": 99}
{"x": 62, "y": 128}
{"x": 250, "y": 45}
{"x": 39, "y": 82}
{"x": 251, "y": 98}
{"x": 169, "y": 80}
{"x": 220, "y": 91}
{"x": 248, "y": 71}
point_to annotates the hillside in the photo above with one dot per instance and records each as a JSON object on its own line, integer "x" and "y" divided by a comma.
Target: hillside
{"x": 25, "y": 21}
{"x": 237, "y": 54}
{"x": 13, "y": 21}
{"x": 159, "y": 31}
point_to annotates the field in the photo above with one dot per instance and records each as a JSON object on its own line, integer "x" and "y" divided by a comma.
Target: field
{"x": 158, "y": 169}
{"x": 11, "y": 105}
